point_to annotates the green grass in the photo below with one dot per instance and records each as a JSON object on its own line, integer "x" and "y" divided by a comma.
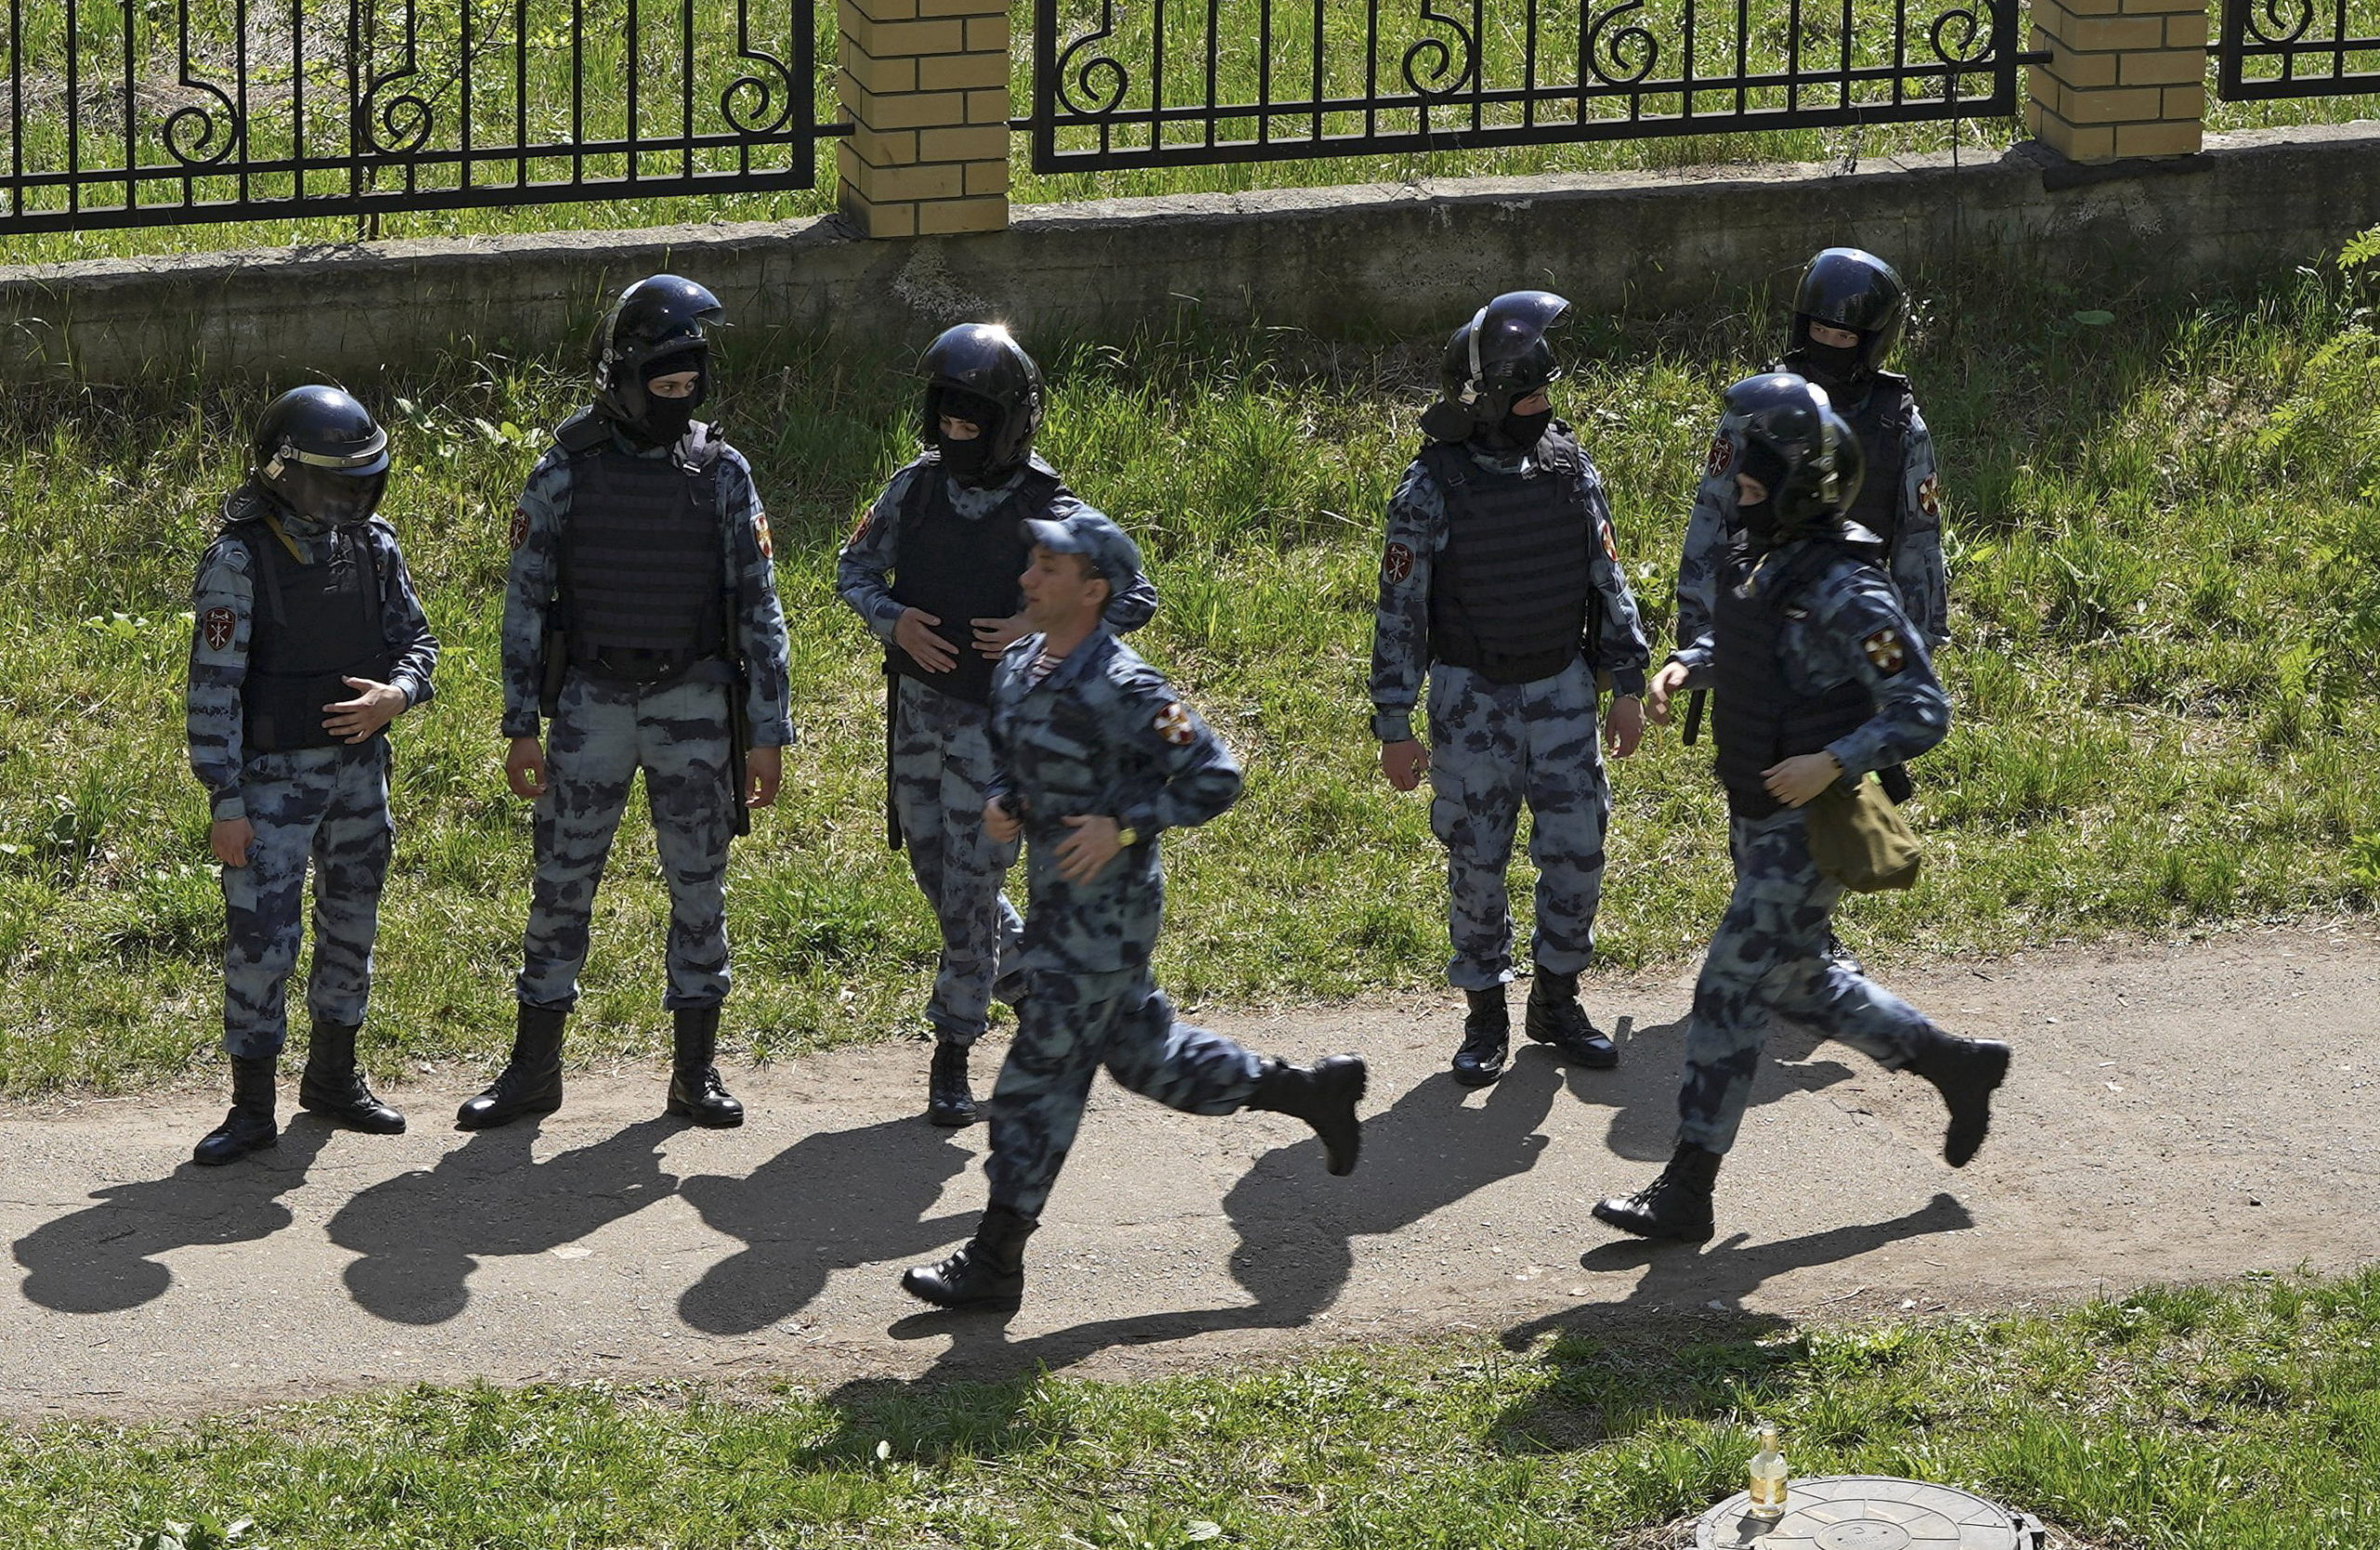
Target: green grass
{"x": 2164, "y": 600}
{"x": 528, "y": 88}
{"x": 2246, "y": 1418}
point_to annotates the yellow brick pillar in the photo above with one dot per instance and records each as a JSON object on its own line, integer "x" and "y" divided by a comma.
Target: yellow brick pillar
{"x": 925, "y": 86}
{"x": 2125, "y": 77}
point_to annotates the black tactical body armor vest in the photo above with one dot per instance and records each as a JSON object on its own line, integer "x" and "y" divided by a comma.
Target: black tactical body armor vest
{"x": 1512, "y": 592}
{"x": 1758, "y": 717}
{"x": 959, "y": 570}
{"x": 643, "y": 575}
{"x": 1881, "y": 419}
{"x": 312, "y": 627}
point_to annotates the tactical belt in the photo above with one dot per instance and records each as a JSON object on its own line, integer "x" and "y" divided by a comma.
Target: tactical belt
{"x": 632, "y": 668}
{"x": 1499, "y": 667}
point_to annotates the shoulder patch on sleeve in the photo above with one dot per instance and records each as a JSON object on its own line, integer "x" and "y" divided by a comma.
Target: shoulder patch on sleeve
{"x": 1173, "y": 724}
{"x": 1610, "y": 548}
{"x": 1929, "y": 495}
{"x": 520, "y": 533}
{"x": 1886, "y": 652}
{"x": 215, "y": 627}
{"x": 1722, "y": 457}
{"x": 1396, "y": 564}
{"x": 760, "y": 534}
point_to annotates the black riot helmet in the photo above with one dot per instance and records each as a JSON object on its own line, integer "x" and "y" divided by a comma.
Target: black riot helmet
{"x": 977, "y": 372}
{"x": 1848, "y": 287}
{"x": 662, "y": 320}
{"x": 321, "y": 454}
{"x": 1497, "y": 359}
{"x": 1797, "y": 443}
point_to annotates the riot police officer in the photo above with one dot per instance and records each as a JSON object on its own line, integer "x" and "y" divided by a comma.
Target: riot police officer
{"x": 1093, "y": 759}
{"x": 307, "y": 642}
{"x": 641, "y": 624}
{"x": 1500, "y": 582}
{"x": 1848, "y": 312}
{"x": 1821, "y": 677}
{"x": 931, "y": 570}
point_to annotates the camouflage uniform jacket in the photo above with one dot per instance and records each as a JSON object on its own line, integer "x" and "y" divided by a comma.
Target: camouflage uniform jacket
{"x": 1418, "y": 525}
{"x": 747, "y": 575}
{"x": 223, "y": 613}
{"x": 1102, "y": 735}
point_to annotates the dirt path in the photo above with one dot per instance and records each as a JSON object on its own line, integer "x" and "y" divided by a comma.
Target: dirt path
{"x": 2185, "y": 1112}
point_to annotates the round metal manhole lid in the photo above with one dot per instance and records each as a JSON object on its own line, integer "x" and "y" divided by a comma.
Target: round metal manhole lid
{"x": 1866, "y": 1512}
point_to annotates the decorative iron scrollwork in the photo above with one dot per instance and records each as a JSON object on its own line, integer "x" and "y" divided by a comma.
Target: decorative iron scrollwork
{"x": 196, "y": 135}
{"x": 1975, "y": 39}
{"x": 1595, "y": 46}
{"x": 2273, "y": 11}
{"x": 1081, "y": 92}
{"x": 398, "y": 124}
{"x": 748, "y": 103}
{"x": 1453, "y": 66}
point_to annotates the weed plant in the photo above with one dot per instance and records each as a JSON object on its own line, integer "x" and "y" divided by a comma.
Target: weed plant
{"x": 2245, "y": 1418}
{"x": 2161, "y": 528}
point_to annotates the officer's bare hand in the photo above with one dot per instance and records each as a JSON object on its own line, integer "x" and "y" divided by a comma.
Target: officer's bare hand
{"x": 764, "y": 773}
{"x": 524, "y": 768}
{"x": 1624, "y": 727}
{"x": 914, "y": 633}
{"x": 374, "y": 707}
{"x": 1666, "y": 684}
{"x": 1086, "y": 853}
{"x": 1404, "y": 763}
{"x": 993, "y": 637}
{"x": 1000, "y": 824}
{"x": 230, "y": 839}
{"x": 1794, "y": 781}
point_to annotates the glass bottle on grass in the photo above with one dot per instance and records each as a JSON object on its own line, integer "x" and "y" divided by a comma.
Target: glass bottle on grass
{"x": 1767, "y": 1475}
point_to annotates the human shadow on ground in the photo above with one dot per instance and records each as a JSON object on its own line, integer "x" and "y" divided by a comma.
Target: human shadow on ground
{"x": 1643, "y": 1094}
{"x": 104, "y": 1259}
{"x": 1681, "y": 1341}
{"x": 421, "y": 1235}
{"x": 829, "y": 1201}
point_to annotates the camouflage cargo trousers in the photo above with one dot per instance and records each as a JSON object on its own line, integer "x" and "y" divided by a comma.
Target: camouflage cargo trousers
{"x": 1069, "y": 1026}
{"x": 602, "y": 734}
{"x": 941, "y": 763}
{"x": 329, "y": 807}
{"x": 1770, "y": 958}
{"x": 1494, "y": 746}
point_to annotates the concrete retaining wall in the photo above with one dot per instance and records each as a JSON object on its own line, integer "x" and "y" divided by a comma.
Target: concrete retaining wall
{"x": 1402, "y": 256}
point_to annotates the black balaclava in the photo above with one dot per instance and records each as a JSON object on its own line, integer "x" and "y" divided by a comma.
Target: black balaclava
{"x": 666, "y": 419}
{"x": 1759, "y": 519}
{"x": 965, "y": 461}
{"x": 1836, "y": 368}
{"x": 1525, "y": 430}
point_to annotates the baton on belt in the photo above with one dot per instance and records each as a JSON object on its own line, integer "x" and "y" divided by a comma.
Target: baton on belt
{"x": 1693, "y": 733}
{"x": 892, "y": 802}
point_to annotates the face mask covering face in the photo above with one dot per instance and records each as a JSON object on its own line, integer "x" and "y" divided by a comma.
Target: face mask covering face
{"x": 1525, "y": 430}
{"x": 1830, "y": 365}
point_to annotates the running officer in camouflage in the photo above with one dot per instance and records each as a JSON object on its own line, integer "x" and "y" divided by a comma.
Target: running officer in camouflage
{"x": 641, "y": 623}
{"x": 307, "y": 642}
{"x": 1094, "y": 757}
{"x": 1501, "y": 583}
{"x": 1821, "y": 677}
{"x": 932, "y": 571}
{"x": 1849, "y": 309}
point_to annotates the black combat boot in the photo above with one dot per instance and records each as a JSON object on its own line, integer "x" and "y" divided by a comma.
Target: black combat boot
{"x": 987, "y": 1271}
{"x": 334, "y": 1085}
{"x": 1487, "y": 1037}
{"x": 531, "y": 1082}
{"x": 1676, "y": 1205}
{"x": 695, "y": 1092}
{"x": 1966, "y": 1071}
{"x": 1556, "y": 1017}
{"x": 249, "y": 1127}
{"x": 949, "y": 1101}
{"x": 1323, "y": 1095}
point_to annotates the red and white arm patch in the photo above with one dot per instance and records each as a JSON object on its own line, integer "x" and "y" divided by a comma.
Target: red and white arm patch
{"x": 1886, "y": 652}
{"x": 760, "y": 534}
{"x": 1929, "y": 495}
{"x": 1721, "y": 456}
{"x": 1175, "y": 724}
{"x": 1396, "y": 564}
{"x": 519, "y": 526}
{"x": 1610, "y": 548}
{"x": 216, "y": 627}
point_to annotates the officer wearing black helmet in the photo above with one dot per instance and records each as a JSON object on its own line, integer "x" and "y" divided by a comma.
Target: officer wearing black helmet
{"x": 931, "y": 570}
{"x": 1821, "y": 677}
{"x": 307, "y": 642}
{"x": 1501, "y": 583}
{"x": 641, "y": 627}
{"x": 1848, "y": 312}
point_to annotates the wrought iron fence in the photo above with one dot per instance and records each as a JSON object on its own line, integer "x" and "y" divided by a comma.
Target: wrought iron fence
{"x": 2298, "y": 48}
{"x": 127, "y": 112}
{"x": 1148, "y": 83}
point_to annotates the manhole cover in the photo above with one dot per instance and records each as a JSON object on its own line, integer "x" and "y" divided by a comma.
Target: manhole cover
{"x": 1870, "y": 1512}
